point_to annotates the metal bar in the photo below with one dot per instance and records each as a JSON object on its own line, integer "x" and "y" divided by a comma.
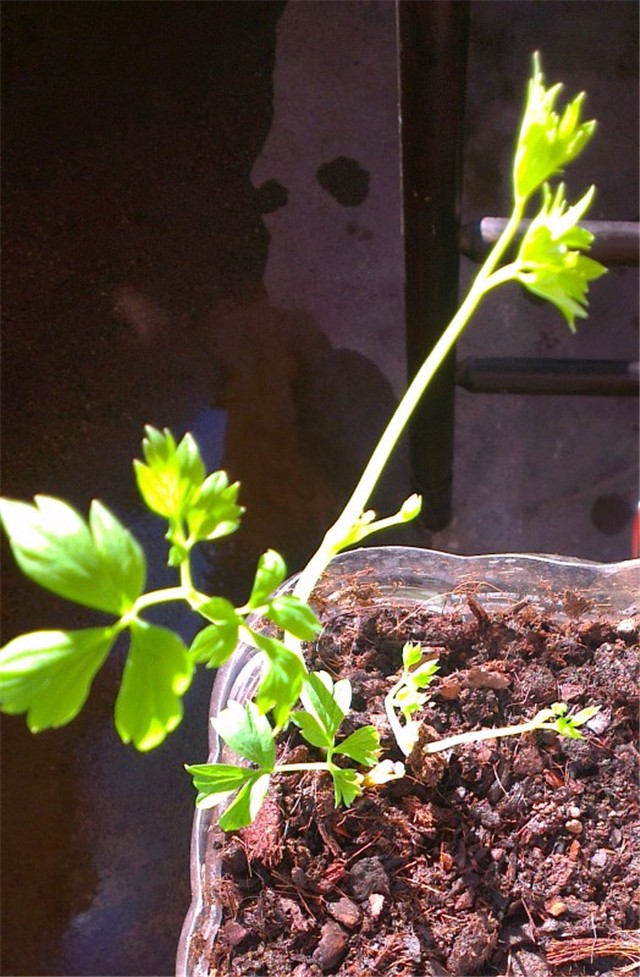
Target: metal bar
{"x": 433, "y": 53}
{"x": 600, "y": 378}
{"x": 615, "y": 242}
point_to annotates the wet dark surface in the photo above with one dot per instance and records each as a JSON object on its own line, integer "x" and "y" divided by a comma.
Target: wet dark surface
{"x": 134, "y": 257}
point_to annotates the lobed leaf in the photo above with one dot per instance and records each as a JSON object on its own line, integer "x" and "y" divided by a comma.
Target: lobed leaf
{"x": 99, "y": 565}
{"x": 547, "y": 142}
{"x": 313, "y": 732}
{"x": 243, "y": 810}
{"x": 48, "y": 674}
{"x": 214, "y": 512}
{"x": 422, "y": 676}
{"x": 362, "y": 746}
{"x": 411, "y": 655}
{"x": 328, "y": 703}
{"x": 293, "y": 615}
{"x": 270, "y": 573}
{"x": 172, "y": 475}
{"x": 157, "y": 673}
{"x": 213, "y": 645}
{"x": 347, "y": 785}
{"x": 549, "y": 264}
{"x": 248, "y": 732}
{"x": 215, "y": 781}
{"x": 281, "y": 680}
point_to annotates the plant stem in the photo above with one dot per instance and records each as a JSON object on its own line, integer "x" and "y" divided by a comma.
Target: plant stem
{"x": 296, "y": 767}
{"x": 333, "y": 540}
{"x": 478, "y": 735}
{"x": 183, "y": 592}
{"x": 394, "y": 722}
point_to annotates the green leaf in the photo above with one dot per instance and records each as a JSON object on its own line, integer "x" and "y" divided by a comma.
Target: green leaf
{"x": 120, "y": 551}
{"x": 347, "y": 785}
{"x": 328, "y": 703}
{"x": 584, "y": 715}
{"x": 363, "y": 746}
{"x": 48, "y": 674}
{"x": 270, "y": 573}
{"x": 422, "y": 677}
{"x": 409, "y": 700}
{"x": 548, "y": 263}
{"x": 281, "y": 680}
{"x": 214, "y": 512}
{"x": 246, "y": 731}
{"x": 99, "y": 566}
{"x": 411, "y": 655}
{"x": 547, "y": 141}
{"x": 293, "y": 615}
{"x": 213, "y": 645}
{"x": 313, "y": 732}
{"x": 156, "y": 675}
{"x": 242, "y": 811}
{"x": 172, "y": 475}
{"x": 215, "y": 781}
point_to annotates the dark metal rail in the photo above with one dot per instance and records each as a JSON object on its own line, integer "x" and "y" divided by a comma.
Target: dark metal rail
{"x": 433, "y": 39}
{"x": 511, "y": 375}
{"x": 615, "y": 242}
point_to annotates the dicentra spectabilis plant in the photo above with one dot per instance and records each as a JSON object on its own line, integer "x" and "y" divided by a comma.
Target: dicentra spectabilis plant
{"x": 99, "y": 564}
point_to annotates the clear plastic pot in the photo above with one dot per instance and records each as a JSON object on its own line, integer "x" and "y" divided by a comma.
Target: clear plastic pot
{"x": 399, "y": 576}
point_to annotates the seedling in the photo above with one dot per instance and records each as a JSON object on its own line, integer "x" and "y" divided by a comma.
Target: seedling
{"x": 99, "y": 564}
{"x": 406, "y": 696}
{"x": 250, "y": 735}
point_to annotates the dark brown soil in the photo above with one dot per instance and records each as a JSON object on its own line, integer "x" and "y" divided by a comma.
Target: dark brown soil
{"x": 522, "y": 859}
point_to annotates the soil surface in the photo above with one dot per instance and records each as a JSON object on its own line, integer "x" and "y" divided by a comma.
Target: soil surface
{"x": 521, "y": 858}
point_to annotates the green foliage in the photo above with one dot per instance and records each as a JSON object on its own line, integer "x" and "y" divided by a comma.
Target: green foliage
{"x": 550, "y": 262}
{"x": 282, "y": 677}
{"x": 214, "y": 644}
{"x": 547, "y": 141}
{"x": 98, "y": 564}
{"x": 270, "y": 573}
{"x": 48, "y": 674}
{"x": 406, "y": 696}
{"x": 172, "y": 483}
{"x": 564, "y": 723}
{"x": 157, "y": 673}
{"x": 247, "y": 731}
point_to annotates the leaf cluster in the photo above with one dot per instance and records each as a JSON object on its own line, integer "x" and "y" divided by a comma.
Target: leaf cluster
{"x": 249, "y": 734}
{"x": 406, "y": 696}
{"x": 173, "y": 483}
{"x": 98, "y": 563}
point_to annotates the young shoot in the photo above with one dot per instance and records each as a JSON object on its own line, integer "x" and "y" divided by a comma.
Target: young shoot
{"x": 555, "y": 718}
{"x": 406, "y": 696}
{"x": 248, "y": 733}
{"x": 550, "y": 263}
{"x": 98, "y": 563}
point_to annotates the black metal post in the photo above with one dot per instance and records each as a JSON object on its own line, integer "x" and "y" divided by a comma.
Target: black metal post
{"x": 433, "y": 55}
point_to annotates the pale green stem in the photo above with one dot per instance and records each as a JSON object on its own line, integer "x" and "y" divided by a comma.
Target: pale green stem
{"x": 297, "y": 767}
{"x": 394, "y": 722}
{"x": 487, "y": 734}
{"x": 334, "y": 538}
